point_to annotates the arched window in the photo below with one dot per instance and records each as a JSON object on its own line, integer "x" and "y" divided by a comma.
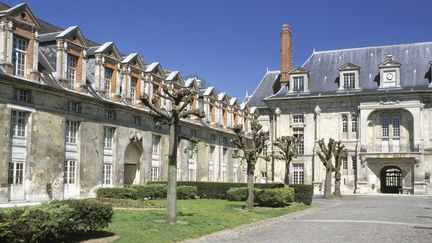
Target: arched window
{"x": 396, "y": 125}
{"x": 385, "y": 125}
{"x": 344, "y": 124}
{"x": 353, "y": 123}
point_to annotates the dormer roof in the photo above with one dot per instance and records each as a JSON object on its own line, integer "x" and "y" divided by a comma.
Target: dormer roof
{"x": 129, "y": 59}
{"x": 348, "y": 66}
{"x": 298, "y": 70}
{"x": 234, "y": 102}
{"x": 108, "y": 46}
{"x": 389, "y": 62}
{"x": 16, "y": 10}
{"x": 192, "y": 83}
{"x": 210, "y": 91}
{"x": 69, "y": 32}
{"x": 175, "y": 76}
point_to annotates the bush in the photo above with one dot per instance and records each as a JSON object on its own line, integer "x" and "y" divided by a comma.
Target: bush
{"x": 52, "y": 222}
{"x": 151, "y": 191}
{"x": 303, "y": 193}
{"x": 117, "y": 192}
{"x": 276, "y": 197}
{"x": 237, "y": 194}
{"x": 187, "y": 192}
{"x": 217, "y": 190}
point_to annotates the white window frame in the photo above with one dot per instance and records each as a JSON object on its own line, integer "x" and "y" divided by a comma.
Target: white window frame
{"x": 73, "y": 106}
{"x": 18, "y": 123}
{"x": 396, "y": 125}
{"x": 354, "y": 123}
{"x": 72, "y": 131}
{"x": 298, "y": 173}
{"x": 385, "y": 126}
{"x": 344, "y": 123}
{"x": 298, "y": 119}
{"x": 19, "y": 55}
{"x": 299, "y": 133}
{"x": 107, "y": 174}
{"x": 154, "y": 173}
{"x": 109, "y": 137}
{"x": 16, "y": 173}
{"x": 70, "y": 168}
{"x": 71, "y": 68}
{"x": 22, "y": 95}
{"x": 108, "y": 73}
{"x": 298, "y": 83}
{"x": 132, "y": 88}
{"x": 349, "y": 80}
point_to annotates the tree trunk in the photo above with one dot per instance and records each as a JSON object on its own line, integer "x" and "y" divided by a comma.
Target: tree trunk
{"x": 338, "y": 176}
{"x": 327, "y": 184}
{"x": 287, "y": 173}
{"x": 250, "y": 186}
{"x": 172, "y": 174}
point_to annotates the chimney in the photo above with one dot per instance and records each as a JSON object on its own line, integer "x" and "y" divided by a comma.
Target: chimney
{"x": 286, "y": 54}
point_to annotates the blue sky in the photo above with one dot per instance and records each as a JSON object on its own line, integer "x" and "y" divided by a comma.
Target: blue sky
{"x": 230, "y": 44}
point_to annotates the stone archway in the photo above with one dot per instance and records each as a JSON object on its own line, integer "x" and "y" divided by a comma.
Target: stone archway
{"x": 132, "y": 165}
{"x": 391, "y": 179}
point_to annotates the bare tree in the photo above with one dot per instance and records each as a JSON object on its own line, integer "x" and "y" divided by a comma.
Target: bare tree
{"x": 325, "y": 156}
{"x": 287, "y": 150}
{"x": 250, "y": 150}
{"x": 339, "y": 153}
{"x": 180, "y": 100}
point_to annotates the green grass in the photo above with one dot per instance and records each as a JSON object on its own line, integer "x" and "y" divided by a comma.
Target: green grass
{"x": 197, "y": 217}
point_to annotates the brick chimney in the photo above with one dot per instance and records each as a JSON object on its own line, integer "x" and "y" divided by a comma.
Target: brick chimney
{"x": 286, "y": 54}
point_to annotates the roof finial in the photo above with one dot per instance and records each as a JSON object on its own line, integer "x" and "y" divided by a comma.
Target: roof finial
{"x": 390, "y": 57}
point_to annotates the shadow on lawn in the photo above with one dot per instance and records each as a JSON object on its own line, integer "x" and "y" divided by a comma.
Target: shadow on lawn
{"x": 94, "y": 236}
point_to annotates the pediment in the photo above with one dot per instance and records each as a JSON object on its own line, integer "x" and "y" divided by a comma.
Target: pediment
{"x": 109, "y": 49}
{"x": 73, "y": 34}
{"x": 389, "y": 62}
{"x": 22, "y": 14}
{"x": 298, "y": 70}
{"x": 348, "y": 66}
{"x": 134, "y": 60}
{"x": 175, "y": 77}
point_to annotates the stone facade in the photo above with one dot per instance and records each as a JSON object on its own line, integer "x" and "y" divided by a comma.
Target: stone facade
{"x": 76, "y": 123}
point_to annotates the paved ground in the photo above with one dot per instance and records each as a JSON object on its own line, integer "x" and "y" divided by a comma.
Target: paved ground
{"x": 385, "y": 218}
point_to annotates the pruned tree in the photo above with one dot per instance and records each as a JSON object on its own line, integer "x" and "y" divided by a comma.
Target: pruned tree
{"x": 325, "y": 156}
{"x": 287, "y": 150}
{"x": 250, "y": 149}
{"x": 339, "y": 153}
{"x": 180, "y": 100}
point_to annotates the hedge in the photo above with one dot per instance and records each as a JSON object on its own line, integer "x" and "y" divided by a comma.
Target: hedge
{"x": 217, "y": 190}
{"x": 53, "y": 222}
{"x": 275, "y": 197}
{"x": 303, "y": 193}
{"x": 150, "y": 191}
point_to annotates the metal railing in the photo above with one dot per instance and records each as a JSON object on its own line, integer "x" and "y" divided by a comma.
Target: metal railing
{"x": 390, "y": 148}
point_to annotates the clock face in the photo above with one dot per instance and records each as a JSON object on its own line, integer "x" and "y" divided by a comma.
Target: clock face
{"x": 389, "y": 76}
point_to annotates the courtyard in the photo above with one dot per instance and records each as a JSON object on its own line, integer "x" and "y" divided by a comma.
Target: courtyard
{"x": 380, "y": 218}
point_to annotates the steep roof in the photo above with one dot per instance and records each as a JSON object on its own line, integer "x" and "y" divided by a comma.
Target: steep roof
{"x": 268, "y": 86}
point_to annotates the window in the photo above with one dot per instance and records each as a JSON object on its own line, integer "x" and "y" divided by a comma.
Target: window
{"x": 18, "y": 123}
{"x": 108, "y": 137}
{"x": 354, "y": 162}
{"x": 225, "y": 155}
{"x": 210, "y": 162}
{"x": 263, "y": 175}
{"x": 344, "y": 163}
{"x": 385, "y": 126}
{"x": 16, "y": 173}
{"x": 264, "y": 151}
{"x": 349, "y": 80}
{"x": 353, "y": 123}
{"x": 71, "y": 131}
{"x": 396, "y": 125}
{"x": 298, "y": 118}
{"x": 298, "y": 173}
{"x": 73, "y": 106}
{"x": 235, "y": 175}
{"x": 298, "y": 85}
{"x": 110, "y": 114}
{"x": 22, "y": 95}
{"x": 107, "y": 82}
{"x": 191, "y": 175}
{"x": 299, "y": 134}
{"x": 344, "y": 124}
{"x": 132, "y": 88}
{"x": 19, "y": 55}
{"x": 136, "y": 120}
{"x": 106, "y": 174}
{"x": 69, "y": 172}
{"x": 155, "y": 144}
{"x": 71, "y": 70}
{"x": 154, "y": 174}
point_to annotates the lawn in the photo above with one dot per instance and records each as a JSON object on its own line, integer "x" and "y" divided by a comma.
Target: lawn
{"x": 196, "y": 217}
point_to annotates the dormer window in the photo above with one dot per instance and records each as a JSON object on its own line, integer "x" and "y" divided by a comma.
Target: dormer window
{"x": 349, "y": 80}
{"x": 107, "y": 82}
{"x": 298, "y": 85}
{"x": 71, "y": 70}
{"x": 389, "y": 73}
{"x": 349, "y": 77}
{"x": 19, "y": 55}
{"x": 299, "y": 79}
{"x": 132, "y": 88}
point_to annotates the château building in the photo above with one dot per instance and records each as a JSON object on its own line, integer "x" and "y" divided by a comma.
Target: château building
{"x": 71, "y": 118}
{"x": 376, "y": 100}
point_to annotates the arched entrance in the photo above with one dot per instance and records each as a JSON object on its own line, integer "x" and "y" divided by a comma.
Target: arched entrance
{"x": 132, "y": 164}
{"x": 391, "y": 179}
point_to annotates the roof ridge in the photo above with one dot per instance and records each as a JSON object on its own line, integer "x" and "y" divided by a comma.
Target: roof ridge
{"x": 372, "y": 47}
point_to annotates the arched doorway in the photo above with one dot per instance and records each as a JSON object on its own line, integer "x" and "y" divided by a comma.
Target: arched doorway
{"x": 132, "y": 164}
{"x": 391, "y": 179}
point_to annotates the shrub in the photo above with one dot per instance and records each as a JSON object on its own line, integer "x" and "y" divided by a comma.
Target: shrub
{"x": 117, "y": 192}
{"x": 276, "y": 197}
{"x": 152, "y": 191}
{"x": 303, "y": 193}
{"x": 186, "y": 192}
{"x": 237, "y": 194}
{"x": 52, "y": 222}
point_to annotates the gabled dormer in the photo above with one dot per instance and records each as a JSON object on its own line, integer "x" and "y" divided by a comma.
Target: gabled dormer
{"x": 210, "y": 104}
{"x": 299, "y": 80}
{"x": 349, "y": 77}
{"x": 154, "y": 76}
{"x": 192, "y": 84}
{"x": 244, "y": 117}
{"x": 19, "y": 42}
{"x": 107, "y": 61}
{"x": 389, "y": 73}
{"x": 132, "y": 78}
{"x": 175, "y": 79}
{"x": 234, "y": 112}
{"x": 223, "y": 102}
{"x": 71, "y": 58}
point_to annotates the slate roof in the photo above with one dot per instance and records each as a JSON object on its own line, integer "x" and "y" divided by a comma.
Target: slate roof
{"x": 268, "y": 86}
{"x": 414, "y": 58}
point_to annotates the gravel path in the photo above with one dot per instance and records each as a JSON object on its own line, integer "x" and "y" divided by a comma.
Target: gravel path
{"x": 384, "y": 218}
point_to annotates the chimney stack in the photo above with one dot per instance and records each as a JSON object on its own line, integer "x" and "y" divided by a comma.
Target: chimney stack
{"x": 286, "y": 54}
